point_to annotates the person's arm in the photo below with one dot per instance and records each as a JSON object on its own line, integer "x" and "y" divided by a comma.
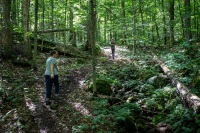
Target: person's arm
{"x": 52, "y": 71}
{"x": 111, "y": 43}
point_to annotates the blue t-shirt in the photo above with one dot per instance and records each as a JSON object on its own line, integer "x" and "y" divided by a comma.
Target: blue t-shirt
{"x": 50, "y": 61}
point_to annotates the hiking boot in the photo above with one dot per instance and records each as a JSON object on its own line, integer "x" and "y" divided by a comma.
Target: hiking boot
{"x": 48, "y": 102}
{"x": 57, "y": 98}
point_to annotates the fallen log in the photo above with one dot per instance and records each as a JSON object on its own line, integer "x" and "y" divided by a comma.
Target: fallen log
{"x": 190, "y": 100}
{"x": 49, "y": 31}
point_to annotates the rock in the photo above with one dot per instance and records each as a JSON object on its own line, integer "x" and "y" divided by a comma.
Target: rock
{"x": 157, "y": 81}
{"x": 146, "y": 87}
{"x": 54, "y": 106}
{"x": 103, "y": 87}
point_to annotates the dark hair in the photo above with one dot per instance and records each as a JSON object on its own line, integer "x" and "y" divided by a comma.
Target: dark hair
{"x": 53, "y": 52}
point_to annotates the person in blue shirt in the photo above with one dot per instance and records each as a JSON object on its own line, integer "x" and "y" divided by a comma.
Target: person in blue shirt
{"x": 113, "y": 44}
{"x": 51, "y": 75}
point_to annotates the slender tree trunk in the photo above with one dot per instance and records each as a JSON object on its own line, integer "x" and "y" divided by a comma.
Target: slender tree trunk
{"x": 197, "y": 21}
{"x": 164, "y": 24}
{"x": 134, "y": 26}
{"x": 92, "y": 41}
{"x": 18, "y": 12}
{"x": 171, "y": 11}
{"x": 71, "y": 17}
{"x": 181, "y": 17}
{"x": 43, "y": 9}
{"x": 188, "y": 35}
{"x": 27, "y": 50}
{"x": 6, "y": 29}
{"x": 14, "y": 12}
{"x": 72, "y": 37}
{"x": 1, "y": 25}
{"x": 156, "y": 24}
{"x": 195, "y": 33}
{"x": 52, "y": 18}
{"x": 64, "y": 33}
{"x": 88, "y": 44}
{"x": 35, "y": 36}
{"x": 123, "y": 23}
{"x": 98, "y": 30}
{"x": 152, "y": 32}
{"x": 105, "y": 33}
{"x": 141, "y": 13}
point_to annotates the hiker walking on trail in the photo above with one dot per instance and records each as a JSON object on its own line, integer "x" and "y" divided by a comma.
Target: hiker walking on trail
{"x": 113, "y": 43}
{"x": 51, "y": 75}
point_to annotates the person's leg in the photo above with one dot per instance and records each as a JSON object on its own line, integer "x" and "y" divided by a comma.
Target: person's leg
{"x": 113, "y": 53}
{"x": 48, "y": 81}
{"x": 56, "y": 84}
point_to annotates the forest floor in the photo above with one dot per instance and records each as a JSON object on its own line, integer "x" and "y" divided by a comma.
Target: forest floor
{"x": 23, "y": 107}
{"x": 26, "y": 111}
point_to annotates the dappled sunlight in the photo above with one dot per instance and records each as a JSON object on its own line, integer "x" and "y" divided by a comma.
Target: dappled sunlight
{"x": 79, "y": 107}
{"x": 43, "y": 131}
{"x": 30, "y": 104}
{"x": 119, "y": 53}
{"x": 82, "y": 85}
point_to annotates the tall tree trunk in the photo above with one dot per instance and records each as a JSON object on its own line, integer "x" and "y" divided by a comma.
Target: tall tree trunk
{"x": 88, "y": 44}
{"x": 171, "y": 12}
{"x": 98, "y": 30}
{"x": 152, "y": 31}
{"x": 27, "y": 50}
{"x": 195, "y": 33}
{"x": 52, "y": 19}
{"x": 105, "y": 29}
{"x": 92, "y": 41}
{"x": 141, "y": 13}
{"x": 156, "y": 24}
{"x": 14, "y": 12}
{"x": 188, "y": 35}
{"x": 181, "y": 17}
{"x": 1, "y": 25}
{"x": 35, "y": 36}
{"x": 164, "y": 24}
{"x": 134, "y": 26}
{"x": 43, "y": 9}
{"x": 123, "y": 23}
{"x": 64, "y": 33}
{"x": 72, "y": 37}
{"x": 6, "y": 29}
{"x": 18, "y": 12}
{"x": 197, "y": 21}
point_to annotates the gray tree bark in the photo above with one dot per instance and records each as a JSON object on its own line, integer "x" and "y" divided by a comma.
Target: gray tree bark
{"x": 35, "y": 36}
{"x": 6, "y": 29}
{"x": 188, "y": 35}
{"x": 92, "y": 41}
{"x": 171, "y": 11}
{"x": 27, "y": 50}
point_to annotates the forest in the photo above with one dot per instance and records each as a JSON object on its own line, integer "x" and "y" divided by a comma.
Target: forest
{"x": 124, "y": 66}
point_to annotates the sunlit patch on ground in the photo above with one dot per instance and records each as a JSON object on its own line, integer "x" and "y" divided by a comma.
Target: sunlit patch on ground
{"x": 43, "y": 131}
{"x": 30, "y": 104}
{"x": 119, "y": 51}
{"x": 79, "y": 107}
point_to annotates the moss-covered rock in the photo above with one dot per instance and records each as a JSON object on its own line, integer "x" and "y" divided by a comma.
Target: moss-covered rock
{"x": 103, "y": 87}
{"x": 54, "y": 106}
{"x": 157, "y": 81}
{"x": 146, "y": 88}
